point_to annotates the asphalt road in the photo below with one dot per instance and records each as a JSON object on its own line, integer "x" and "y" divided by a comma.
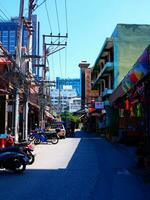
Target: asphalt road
{"x": 81, "y": 168}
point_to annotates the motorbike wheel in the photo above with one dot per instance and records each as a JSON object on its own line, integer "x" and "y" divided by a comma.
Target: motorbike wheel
{"x": 19, "y": 165}
{"x": 37, "y": 141}
{"x": 54, "y": 140}
{"x": 31, "y": 158}
{"x": 31, "y": 138}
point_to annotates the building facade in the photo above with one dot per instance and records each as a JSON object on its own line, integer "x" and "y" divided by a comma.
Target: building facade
{"x": 8, "y": 37}
{"x": 118, "y": 54}
{"x": 60, "y": 98}
{"x": 85, "y": 77}
{"x": 74, "y": 104}
{"x": 74, "y": 82}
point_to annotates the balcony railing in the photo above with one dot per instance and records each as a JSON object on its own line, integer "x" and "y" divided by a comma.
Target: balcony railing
{"x": 107, "y": 92}
{"x": 107, "y": 68}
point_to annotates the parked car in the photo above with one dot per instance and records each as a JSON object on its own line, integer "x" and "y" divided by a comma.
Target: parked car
{"x": 52, "y": 128}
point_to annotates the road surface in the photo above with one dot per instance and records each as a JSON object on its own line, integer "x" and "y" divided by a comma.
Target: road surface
{"x": 81, "y": 168}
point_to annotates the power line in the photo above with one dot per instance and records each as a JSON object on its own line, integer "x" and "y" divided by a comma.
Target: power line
{"x": 65, "y": 61}
{"x": 8, "y": 15}
{"x": 66, "y": 15}
{"x": 57, "y": 15}
{"x": 53, "y": 66}
{"x": 37, "y": 6}
{"x": 2, "y": 19}
{"x": 4, "y": 14}
{"x": 60, "y": 64}
{"x": 48, "y": 17}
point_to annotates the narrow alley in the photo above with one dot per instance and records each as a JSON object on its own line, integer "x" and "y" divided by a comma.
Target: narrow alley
{"x": 85, "y": 167}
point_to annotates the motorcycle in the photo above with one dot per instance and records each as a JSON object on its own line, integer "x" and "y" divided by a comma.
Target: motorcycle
{"x": 40, "y": 135}
{"x": 27, "y": 149}
{"x": 13, "y": 161}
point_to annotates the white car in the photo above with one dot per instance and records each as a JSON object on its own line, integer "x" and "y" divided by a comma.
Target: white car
{"x": 52, "y": 128}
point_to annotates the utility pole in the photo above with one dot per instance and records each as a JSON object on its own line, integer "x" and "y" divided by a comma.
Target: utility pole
{"x": 28, "y": 24}
{"x": 46, "y": 52}
{"x": 18, "y": 62}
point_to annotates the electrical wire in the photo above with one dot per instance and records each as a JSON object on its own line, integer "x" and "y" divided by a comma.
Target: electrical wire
{"x": 60, "y": 67}
{"x": 57, "y": 16}
{"x": 37, "y": 6}
{"x": 66, "y": 16}
{"x": 6, "y": 12}
{"x": 2, "y": 19}
{"x": 65, "y": 62}
{"x": 48, "y": 17}
{"x": 53, "y": 69}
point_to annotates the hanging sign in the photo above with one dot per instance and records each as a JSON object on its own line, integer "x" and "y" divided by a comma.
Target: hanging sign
{"x": 99, "y": 105}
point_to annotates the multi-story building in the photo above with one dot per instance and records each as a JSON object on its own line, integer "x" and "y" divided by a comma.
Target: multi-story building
{"x": 117, "y": 56}
{"x": 8, "y": 37}
{"x": 8, "y": 41}
{"x": 74, "y": 82}
{"x": 74, "y": 104}
{"x": 60, "y": 98}
{"x": 85, "y": 76}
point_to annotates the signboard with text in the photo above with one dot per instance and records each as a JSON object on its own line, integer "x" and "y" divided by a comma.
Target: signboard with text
{"x": 99, "y": 105}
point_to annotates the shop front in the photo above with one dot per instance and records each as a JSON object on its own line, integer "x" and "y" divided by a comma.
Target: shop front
{"x": 131, "y": 100}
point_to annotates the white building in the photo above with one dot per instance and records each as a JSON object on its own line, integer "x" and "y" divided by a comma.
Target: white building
{"x": 74, "y": 104}
{"x": 60, "y": 98}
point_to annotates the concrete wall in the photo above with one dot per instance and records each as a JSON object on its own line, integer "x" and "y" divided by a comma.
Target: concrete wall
{"x": 131, "y": 41}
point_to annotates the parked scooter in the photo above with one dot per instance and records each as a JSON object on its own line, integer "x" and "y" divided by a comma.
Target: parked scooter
{"x": 27, "y": 149}
{"x": 13, "y": 161}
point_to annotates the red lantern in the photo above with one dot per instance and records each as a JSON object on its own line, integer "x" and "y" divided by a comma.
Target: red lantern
{"x": 127, "y": 105}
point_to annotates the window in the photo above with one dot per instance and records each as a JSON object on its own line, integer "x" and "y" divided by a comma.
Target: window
{"x": 12, "y": 48}
{"x": 12, "y": 34}
{"x": 5, "y": 36}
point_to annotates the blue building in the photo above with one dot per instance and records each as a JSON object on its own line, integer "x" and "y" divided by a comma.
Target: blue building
{"x": 8, "y": 37}
{"x": 74, "y": 82}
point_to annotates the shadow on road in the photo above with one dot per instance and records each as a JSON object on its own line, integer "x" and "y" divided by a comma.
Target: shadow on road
{"x": 89, "y": 174}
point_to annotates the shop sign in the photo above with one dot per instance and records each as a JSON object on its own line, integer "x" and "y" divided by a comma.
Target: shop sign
{"x": 99, "y": 105}
{"x": 87, "y": 83}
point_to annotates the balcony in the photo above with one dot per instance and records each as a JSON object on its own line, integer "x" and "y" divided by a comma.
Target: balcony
{"x": 106, "y": 69}
{"x": 108, "y": 66}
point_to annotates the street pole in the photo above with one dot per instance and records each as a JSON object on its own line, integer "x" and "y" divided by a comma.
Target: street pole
{"x": 18, "y": 62}
{"x": 28, "y": 70}
{"x": 6, "y": 113}
{"x": 42, "y": 121}
{"x": 45, "y": 55}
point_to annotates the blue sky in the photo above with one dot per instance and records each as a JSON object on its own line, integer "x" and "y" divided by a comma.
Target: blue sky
{"x": 89, "y": 23}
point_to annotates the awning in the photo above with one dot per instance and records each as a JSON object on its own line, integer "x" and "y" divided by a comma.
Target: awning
{"x": 139, "y": 70}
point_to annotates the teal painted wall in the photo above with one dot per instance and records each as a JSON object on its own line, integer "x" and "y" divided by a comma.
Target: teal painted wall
{"x": 129, "y": 43}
